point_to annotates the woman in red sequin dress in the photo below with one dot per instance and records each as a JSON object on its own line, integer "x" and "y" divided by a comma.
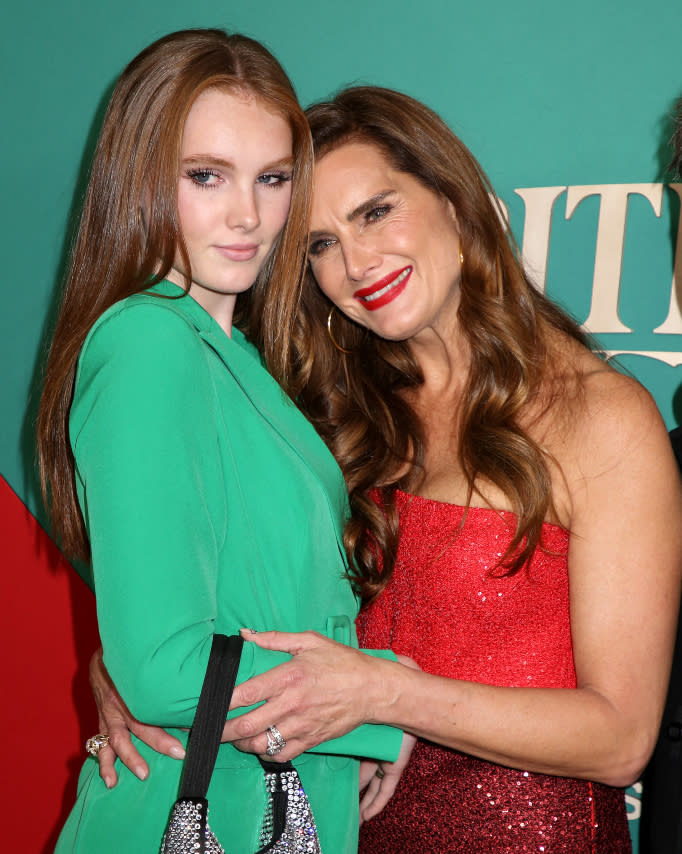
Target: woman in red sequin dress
{"x": 543, "y": 616}
{"x": 515, "y": 512}
{"x": 446, "y": 610}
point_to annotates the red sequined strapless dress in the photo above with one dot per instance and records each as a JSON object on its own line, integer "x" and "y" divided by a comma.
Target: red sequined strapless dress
{"x": 444, "y": 609}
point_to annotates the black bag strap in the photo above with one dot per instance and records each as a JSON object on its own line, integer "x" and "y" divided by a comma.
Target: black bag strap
{"x": 209, "y": 718}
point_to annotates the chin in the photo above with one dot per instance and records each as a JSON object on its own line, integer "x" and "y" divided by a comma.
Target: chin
{"x": 394, "y": 337}
{"x": 394, "y": 334}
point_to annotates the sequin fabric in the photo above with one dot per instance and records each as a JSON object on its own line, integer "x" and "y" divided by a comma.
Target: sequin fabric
{"x": 448, "y": 608}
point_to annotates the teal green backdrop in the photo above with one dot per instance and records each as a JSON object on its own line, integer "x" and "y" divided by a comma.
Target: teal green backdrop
{"x": 566, "y": 106}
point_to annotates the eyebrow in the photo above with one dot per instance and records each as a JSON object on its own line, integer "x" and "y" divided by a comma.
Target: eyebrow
{"x": 367, "y": 206}
{"x": 359, "y": 211}
{"x": 213, "y": 160}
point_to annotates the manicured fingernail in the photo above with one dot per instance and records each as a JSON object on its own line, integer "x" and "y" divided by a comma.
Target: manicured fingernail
{"x": 140, "y": 772}
{"x": 248, "y": 631}
{"x": 177, "y": 751}
{"x": 108, "y": 782}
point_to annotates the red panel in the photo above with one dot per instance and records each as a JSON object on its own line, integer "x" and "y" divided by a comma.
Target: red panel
{"x": 48, "y": 634}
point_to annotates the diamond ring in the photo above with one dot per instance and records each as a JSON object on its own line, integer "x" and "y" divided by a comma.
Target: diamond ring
{"x": 275, "y": 741}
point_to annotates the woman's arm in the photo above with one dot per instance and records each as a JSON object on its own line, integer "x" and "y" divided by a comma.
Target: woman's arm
{"x": 142, "y": 428}
{"x": 116, "y": 721}
{"x": 145, "y": 430}
{"x": 624, "y": 570}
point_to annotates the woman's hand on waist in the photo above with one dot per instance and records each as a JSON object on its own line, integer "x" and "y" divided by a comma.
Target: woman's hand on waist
{"x": 116, "y": 721}
{"x": 323, "y": 692}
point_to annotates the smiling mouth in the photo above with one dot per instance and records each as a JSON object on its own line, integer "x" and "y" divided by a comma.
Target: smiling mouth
{"x": 385, "y": 290}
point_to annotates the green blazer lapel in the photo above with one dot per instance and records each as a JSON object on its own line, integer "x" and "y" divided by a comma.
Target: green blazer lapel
{"x": 244, "y": 364}
{"x": 242, "y": 360}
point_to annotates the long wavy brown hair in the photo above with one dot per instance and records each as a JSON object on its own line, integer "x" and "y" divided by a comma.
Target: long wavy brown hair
{"x": 357, "y": 400}
{"x": 118, "y": 251}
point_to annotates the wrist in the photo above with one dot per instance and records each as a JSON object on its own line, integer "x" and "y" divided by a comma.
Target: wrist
{"x": 388, "y": 691}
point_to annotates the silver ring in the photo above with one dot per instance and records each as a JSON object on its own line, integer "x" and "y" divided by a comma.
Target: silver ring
{"x": 96, "y": 743}
{"x": 275, "y": 741}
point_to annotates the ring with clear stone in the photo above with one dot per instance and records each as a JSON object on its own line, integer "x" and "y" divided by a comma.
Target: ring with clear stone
{"x": 275, "y": 741}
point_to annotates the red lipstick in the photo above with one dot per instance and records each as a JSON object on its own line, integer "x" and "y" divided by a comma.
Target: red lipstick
{"x": 385, "y": 290}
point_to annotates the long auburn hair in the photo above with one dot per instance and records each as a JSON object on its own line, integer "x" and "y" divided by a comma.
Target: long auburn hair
{"x": 116, "y": 254}
{"x": 356, "y": 400}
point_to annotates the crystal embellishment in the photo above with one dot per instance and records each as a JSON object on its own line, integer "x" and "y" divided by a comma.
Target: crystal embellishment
{"x": 188, "y": 831}
{"x": 300, "y": 832}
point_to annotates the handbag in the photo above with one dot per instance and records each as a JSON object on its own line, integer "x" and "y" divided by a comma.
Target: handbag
{"x": 288, "y": 824}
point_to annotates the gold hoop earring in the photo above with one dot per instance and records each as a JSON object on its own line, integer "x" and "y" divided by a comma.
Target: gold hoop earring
{"x": 331, "y": 334}
{"x": 461, "y": 258}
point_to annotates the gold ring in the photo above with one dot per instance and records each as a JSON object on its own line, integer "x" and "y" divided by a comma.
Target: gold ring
{"x": 380, "y": 773}
{"x": 96, "y": 743}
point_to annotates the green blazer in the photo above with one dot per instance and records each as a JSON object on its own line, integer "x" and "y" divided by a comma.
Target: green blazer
{"x": 211, "y": 504}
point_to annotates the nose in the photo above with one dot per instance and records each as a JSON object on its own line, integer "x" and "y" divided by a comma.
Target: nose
{"x": 360, "y": 260}
{"x": 243, "y": 209}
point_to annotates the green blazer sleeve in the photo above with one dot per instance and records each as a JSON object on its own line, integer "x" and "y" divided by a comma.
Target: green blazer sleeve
{"x": 142, "y": 425}
{"x": 160, "y": 433}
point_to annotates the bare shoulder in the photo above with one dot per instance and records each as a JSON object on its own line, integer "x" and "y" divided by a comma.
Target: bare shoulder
{"x": 608, "y": 436}
{"x": 615, "y": 413}
{"x": 596, "y": 406}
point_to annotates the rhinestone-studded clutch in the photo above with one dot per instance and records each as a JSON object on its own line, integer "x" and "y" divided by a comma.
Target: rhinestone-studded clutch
{"x": 288, "y": 824}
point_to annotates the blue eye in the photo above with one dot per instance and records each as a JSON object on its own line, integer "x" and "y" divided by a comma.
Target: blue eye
{"x": 203, "y": 177}
{"x": 274, "y": 179}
